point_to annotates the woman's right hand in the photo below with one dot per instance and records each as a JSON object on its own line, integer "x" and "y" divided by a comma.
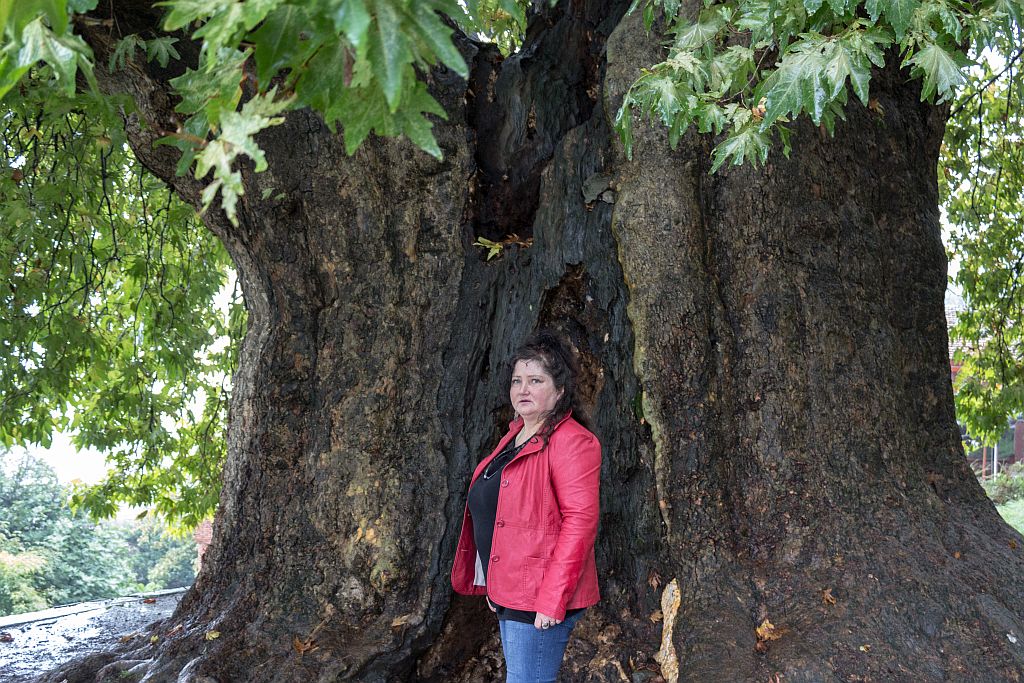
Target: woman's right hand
{"x": 493, "y": 608}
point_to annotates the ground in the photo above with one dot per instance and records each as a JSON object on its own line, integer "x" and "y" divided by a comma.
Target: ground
{"x": 40, "y": 641}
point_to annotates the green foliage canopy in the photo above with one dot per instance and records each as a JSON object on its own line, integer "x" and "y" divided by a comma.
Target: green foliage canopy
{"x": 750, "y": 67}
{"x": 981, "y": 175}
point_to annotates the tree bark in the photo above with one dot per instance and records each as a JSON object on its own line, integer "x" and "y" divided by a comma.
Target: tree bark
{"x": 764, "y": 353}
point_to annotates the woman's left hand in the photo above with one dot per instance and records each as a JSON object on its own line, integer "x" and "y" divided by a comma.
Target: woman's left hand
{"x": 543, "y": 621}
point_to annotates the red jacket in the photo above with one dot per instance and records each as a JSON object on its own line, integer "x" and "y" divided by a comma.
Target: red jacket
{"x": 542, "y": 555}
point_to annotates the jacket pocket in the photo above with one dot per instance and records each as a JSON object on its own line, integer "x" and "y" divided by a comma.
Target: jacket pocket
{"x": 533, "y": 575}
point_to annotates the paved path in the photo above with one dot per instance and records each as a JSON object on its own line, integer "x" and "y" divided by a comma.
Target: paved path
{"x": 43, "y": 640}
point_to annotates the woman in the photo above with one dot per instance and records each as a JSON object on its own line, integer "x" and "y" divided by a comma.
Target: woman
{"x": 528, "y": 531}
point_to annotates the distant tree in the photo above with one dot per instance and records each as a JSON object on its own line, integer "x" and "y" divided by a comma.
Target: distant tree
{"x": 49, "y": 556}
{"x": 175, "y": 569}
{"x": 32, "y": 501}
{"x": 159, "y": 559}
{"x": 85, "y": 561}
{"x": 18, "y": 579}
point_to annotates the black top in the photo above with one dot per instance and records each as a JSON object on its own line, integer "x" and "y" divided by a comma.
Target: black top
{"x": 483, "y": 508}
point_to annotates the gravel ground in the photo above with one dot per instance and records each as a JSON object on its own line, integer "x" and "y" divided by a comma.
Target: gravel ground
{"x": 33, "y": 643}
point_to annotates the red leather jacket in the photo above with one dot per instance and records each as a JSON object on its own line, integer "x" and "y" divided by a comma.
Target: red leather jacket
{"x": 542, "y": 555}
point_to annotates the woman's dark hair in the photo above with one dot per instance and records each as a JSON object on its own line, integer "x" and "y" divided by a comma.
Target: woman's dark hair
{"x": 559, "y": 361}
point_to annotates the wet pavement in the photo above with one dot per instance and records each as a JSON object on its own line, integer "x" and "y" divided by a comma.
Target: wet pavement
{"x": 33, "y": 643}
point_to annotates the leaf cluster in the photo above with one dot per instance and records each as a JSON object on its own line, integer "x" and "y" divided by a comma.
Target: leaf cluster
{"x": 981, "y": 178}
{"x": 112, "y": 331}
{"x": 354, "y": 61}
{"x": 750, "y": 67}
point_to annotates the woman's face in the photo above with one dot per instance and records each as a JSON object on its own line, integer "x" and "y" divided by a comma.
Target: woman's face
{"x": 533, "y": 391}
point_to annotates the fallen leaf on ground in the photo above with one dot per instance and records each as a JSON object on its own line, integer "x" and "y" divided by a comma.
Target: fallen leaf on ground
{"x": 149, "y": 601}
{"x": 827, "y": 597}
{"x": 656, "y": 616}
{"x": 865, "y": 648}
{"x": 212, "y": 635}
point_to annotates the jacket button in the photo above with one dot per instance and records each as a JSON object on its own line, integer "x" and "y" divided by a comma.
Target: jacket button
{"x": 501, "y": 522}
{"x": 494, "y": 558}
{"x": 504, "y": 482}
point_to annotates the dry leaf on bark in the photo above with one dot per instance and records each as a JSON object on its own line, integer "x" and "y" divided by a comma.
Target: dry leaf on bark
{"x": 765, "y": 633}
{"x": 303, "y": 646}
{"x": 401, "y": 621}
{"x": 827, "y": 597}
{"x": 768, "y": 631}
{"x": 212, "y": 635}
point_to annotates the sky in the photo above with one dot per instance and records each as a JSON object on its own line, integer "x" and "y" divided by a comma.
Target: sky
{"x": 68, "y": 462}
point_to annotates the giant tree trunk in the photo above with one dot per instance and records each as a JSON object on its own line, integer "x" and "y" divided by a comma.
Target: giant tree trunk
{"x": 764, "y": 353}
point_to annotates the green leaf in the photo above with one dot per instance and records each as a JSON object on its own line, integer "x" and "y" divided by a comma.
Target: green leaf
{"x": 277, "y": 40}
{"x": 899, "y": 13}
{"x": 225, "y": 27}
{"x": 812, "y": 6}
{"x": 361, "y": 111}
{"x": 838, "y": 7}
{"x": 10, "y": 74}
{"x": 184, "y": 12}
{"x": 322, "y": 83}
{"x": 389, "y": 51}
{"x": 352, "y": 19}
{"x": 161, "y": 50}
{"x": 56, "y": 13}
{"x": 60, "y": 53}
{"x": 796, "y": 86}
{"x": 439, "y": 38}
{"x": 939, "y": 70}
{"x": 699, "y": 35}
{"x": 124, "y": 51}
{"x": 746, "y": 144}
{"x": 82, "y": 6}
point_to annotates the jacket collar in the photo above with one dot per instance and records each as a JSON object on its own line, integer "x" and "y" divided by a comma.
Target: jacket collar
{"x": 514, "y": 428}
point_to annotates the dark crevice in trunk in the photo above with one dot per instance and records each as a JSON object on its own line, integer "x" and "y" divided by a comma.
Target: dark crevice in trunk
{"x": 520, "y": 107}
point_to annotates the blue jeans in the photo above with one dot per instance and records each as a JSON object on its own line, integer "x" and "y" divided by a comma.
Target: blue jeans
{"x": 534, "y": 655}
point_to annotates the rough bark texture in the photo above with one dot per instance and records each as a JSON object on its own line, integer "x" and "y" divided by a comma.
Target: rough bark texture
{"x": 764, "y": 352}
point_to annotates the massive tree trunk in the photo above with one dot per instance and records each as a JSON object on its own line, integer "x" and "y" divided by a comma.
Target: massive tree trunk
{"x": 764, "y": 353}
